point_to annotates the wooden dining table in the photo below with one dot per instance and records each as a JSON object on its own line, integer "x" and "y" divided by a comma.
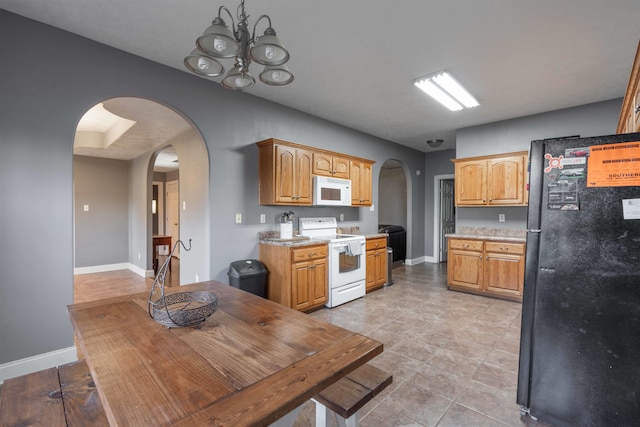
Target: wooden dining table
{"x": 250, "y": 363}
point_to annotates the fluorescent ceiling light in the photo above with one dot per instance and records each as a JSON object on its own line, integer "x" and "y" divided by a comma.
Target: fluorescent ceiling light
{"x": 444, "y": 89}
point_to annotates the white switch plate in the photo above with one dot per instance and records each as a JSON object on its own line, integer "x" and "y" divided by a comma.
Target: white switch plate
{"x": 341, "y": 217}
{"x": 501, "y": 218}
{"x": 263, "y": 218}
{"x": 238, "y": 218}
{"x": 184, "y": 206}
{"x": 86, "y": 208}
{"x": 372, "y": 208}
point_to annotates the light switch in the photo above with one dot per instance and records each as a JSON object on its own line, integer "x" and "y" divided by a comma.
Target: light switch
{"x": 238, "y": 218}
{"x": 86, "y": 208}
{"x": 263, "y": 218}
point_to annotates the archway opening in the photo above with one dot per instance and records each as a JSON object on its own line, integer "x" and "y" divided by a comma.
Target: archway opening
{"x": 117, "y": 145}
{"x": 393, "y": 213}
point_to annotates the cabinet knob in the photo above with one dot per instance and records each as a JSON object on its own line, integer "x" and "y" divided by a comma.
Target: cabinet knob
{"x": 502, "y": 248}
{"x": 312, "y": 266}
{"x": 312, "y": 254}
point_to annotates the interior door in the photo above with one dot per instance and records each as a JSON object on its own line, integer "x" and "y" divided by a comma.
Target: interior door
{"x": 447, "y": 214}
{"x": 173, "y": 214}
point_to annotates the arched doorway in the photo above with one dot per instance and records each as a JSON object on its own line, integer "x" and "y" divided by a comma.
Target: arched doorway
{"x": 115, "y": 149}
{"x": 393, "y": 215}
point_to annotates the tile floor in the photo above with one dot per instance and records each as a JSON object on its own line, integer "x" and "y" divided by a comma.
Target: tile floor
{"x": 453, "y": 356}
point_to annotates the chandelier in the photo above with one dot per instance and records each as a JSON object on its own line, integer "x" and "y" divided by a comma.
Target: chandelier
{"x": 218, "y": 41}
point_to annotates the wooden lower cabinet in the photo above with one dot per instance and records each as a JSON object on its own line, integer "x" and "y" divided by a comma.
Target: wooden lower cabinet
{"x": 486, "y": 267}
{"x": 376, "y": 263}
{"x": 296, "y": 276}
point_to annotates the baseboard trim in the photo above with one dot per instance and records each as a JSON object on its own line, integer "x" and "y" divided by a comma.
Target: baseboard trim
{"x": 414, "y": 261}
{"x": 113, "y": 267}
{"x": 37, "y": 363}
{"x": 101, "y": 268}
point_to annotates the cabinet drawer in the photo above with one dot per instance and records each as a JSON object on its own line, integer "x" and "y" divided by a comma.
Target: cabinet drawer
{"x": 307, "y": 253}
{"x": 373, "y": 244}
{"x": 470, "y": 245}
{"x": 509, "y": 248}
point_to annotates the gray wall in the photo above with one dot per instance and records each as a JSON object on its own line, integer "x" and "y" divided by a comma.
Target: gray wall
{"x": 436, "y": 163}
{"x": 39, "y": 111}
{"x": 101, "y": 233}
{"x": 596, "y": 119}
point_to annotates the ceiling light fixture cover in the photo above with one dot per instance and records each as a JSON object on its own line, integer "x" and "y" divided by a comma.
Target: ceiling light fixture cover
{"x": 435, "y": 143}
{"x": 218, "y": 41}
{"x": 447, "y": 91}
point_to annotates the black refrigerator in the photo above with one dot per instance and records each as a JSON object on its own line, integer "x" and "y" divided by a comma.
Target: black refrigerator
{"x": 580, "y": 339}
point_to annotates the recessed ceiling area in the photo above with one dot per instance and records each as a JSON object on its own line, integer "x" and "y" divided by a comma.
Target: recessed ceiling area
{"x": 125, "y": 128}
{"x": 355, "y": 61}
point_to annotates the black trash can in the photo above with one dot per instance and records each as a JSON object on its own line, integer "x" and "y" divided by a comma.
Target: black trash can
{"x": 249, "y": 275}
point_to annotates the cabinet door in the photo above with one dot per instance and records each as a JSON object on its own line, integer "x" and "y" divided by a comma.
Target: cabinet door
{"x": 340, "y": 167}
{"x": 504, "y": 274}
{"x": 381, "y": 267}
{"x": 301, "y": 281}
{"x": 318, "y": 285}
{"x": 371, "y": 270}
{"x": 322, "y": 164}
{"x": 361, "y": 181}
{"x": 504, "y": 268}
{"x": 506, "y": 180}
{"x": 303, "y": 180}
{"x": 285, "y": 174}
{"x": 309, "y": 284}
{"x": 464, "y": 268}
{"x": 470, "y": 183}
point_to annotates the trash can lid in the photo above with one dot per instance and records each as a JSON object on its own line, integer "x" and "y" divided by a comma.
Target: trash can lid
{"x": 246, "y": 268}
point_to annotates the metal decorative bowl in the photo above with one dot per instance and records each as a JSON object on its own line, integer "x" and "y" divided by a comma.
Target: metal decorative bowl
{"x": 184, "y": 308}
{"x": 180, "y": 308}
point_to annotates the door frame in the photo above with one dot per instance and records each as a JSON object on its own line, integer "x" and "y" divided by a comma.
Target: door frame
{"x": 436, "y": 214}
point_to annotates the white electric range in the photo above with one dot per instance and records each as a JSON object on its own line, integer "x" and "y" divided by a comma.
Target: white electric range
{"x": 347, "y": 259}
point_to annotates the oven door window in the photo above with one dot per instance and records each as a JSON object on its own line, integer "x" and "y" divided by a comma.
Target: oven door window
{"x": 348, "y": 263}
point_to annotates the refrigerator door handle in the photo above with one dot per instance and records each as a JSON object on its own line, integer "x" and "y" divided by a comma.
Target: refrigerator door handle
{"x": 534, "y": 231}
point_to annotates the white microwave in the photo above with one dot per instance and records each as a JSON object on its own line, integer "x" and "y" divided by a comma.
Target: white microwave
{"x": 331, "y": 191}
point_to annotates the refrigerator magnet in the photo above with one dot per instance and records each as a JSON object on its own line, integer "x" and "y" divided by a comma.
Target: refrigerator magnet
{"x": 631, "y": 208}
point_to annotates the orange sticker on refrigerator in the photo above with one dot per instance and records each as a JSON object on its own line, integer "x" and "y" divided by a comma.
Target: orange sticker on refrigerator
{"x": 614, "y": 165}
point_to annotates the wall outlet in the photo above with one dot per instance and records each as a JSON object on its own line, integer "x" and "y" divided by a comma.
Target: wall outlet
{"x": 372, "y": 208}
{"x": 263, "y": 218}
{"x": 197, "y": 278}
{"x": 501, "y": 218}
{"x": 341, "y": 217}
{"x": 238, "y": 218}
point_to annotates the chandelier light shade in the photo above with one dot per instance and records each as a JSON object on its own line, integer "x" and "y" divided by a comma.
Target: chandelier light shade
{"x": 203, "y": 65}
{"x": 220, "y": 42}
{"x": 276, "y": 75}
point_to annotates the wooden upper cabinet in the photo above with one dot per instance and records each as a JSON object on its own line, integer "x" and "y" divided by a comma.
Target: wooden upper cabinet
{"x": 471, "y": 182}
{"x": 499, "y": 180}
{"x": 284, "y": 174}
{"x": 329, "y": 165}
{"x": 286, "y": 170}
{"x": 506, "y": 180}
{"x": 361, "y": 182}
{"x": 630, "y": 112}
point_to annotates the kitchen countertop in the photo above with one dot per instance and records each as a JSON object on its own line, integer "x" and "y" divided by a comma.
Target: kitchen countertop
{"x": 273, "y": 238}
{"x": 502, "y": 234}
